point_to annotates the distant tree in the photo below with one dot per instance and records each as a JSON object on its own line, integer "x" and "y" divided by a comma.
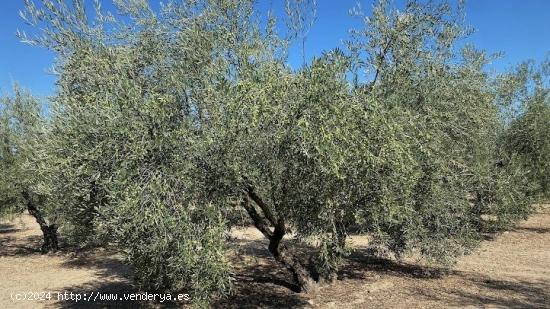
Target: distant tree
{"x": 22, "y": 129}
{"x": 527, "y": 94}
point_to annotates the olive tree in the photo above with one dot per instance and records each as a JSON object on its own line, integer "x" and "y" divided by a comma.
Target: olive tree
{"x": 525, "y": 94}
{"x": 165, "y": 121}
{"x": 22, "y": 130}
{"x": 398, "y": 156}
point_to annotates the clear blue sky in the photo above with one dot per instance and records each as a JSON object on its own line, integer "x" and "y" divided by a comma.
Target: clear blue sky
{"x": 519, "y": 28}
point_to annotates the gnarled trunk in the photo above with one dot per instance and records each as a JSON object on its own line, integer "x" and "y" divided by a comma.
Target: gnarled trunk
{"x": 287, "y": 258}
{"x": 49, "y": 231}
{"x": 274, "y": 230}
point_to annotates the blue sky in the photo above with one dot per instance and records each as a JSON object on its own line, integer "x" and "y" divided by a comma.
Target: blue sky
{"x": 518, "y": 28}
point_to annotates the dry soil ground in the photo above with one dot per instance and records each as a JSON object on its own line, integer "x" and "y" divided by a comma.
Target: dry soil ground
{"x": 510, "y": 271}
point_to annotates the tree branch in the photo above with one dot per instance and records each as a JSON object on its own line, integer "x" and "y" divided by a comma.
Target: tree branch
{"x": 259, "y": 221}
{"x": 263, "y": 206}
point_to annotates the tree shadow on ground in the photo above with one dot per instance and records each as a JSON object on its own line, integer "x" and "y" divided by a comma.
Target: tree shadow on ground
{"x": 259, "y": 282}
{"x": 114, "y": 286}
{"x": 12, "y": 247}
{"x": 460, "y": 288}
{"x": 8, "y": 228}
{"x": 262, "y": 286}
{"x": 539, "y": 230}
{"x": 105, "y": 263}
{"x": 485, "y": 291}
{"x": 251, "y": 248}
{"x": 360, "y": 263}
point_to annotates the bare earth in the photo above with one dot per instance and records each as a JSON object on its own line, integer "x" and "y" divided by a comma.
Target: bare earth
{"x": 510, "y": 271}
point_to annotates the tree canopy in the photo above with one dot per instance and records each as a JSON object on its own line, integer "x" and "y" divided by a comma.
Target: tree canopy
{"x": 165, "y": 123}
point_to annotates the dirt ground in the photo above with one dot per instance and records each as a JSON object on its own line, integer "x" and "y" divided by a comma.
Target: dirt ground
{"x": 510, "y": 271}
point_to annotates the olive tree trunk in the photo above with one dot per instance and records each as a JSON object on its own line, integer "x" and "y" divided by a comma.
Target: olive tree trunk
{"x": 49, "y": 231}
{"x": 274, "y": 230}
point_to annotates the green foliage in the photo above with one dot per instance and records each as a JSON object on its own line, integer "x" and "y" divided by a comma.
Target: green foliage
{"x": 164, "y": 122}
{"x": 530, "y": 136}
{"x": 502, "y": 195}
{"x": 172, "y": 247}
{"x": 21, "y": 131}
{"x": 125, "y": 121}
{"x": 528, "y": 133}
